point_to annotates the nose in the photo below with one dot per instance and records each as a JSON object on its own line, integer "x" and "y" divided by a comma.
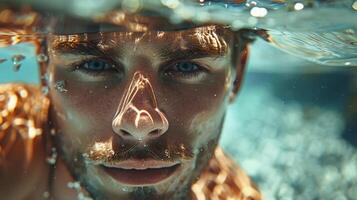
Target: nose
{"x": 138, "y": 116}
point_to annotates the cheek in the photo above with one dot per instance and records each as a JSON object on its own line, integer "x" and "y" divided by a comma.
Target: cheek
{"x": 195, "y": 112}
{"x": 83, "y": 112}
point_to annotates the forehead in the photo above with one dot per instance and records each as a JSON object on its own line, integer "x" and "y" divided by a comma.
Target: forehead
{"x": 212, "y": 38}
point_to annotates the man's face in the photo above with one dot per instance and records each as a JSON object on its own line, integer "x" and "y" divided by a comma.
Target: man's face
{"x": 139, "y": 113}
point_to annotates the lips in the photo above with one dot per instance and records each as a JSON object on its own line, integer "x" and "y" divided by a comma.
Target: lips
{"x": 141, "y": 172}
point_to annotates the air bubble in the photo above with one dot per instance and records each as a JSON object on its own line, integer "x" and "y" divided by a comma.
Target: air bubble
{"x": 46, "y": 195}
{"x": 2, "y": 60}
{"x": 42, "y": 58}
{"x": 354, "y": 6}
{"x": 53, "y": 158}
{"x": 74, "y": 185}
{"x": 81, "y": 196}
{"x": 45, "y": 77}
{"x": 167, "y": 153}
{"x": 251, "y": 4}
{"x": 299, "y": 6}
{"x": 258, "y": 12}
{"x": 60, "y": 86}
{"x": 16, "y": 61}
{"x": 44, "y": 90}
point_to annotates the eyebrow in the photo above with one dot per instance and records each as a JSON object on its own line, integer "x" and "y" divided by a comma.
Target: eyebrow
{"x": 196, "y": 47}
{"x": 188, "y": 54}
{"x": 165, "y": 53}
{"x": 81, "y": 48}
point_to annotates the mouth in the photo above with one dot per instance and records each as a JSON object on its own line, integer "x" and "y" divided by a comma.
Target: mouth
{"x": 141, "y": 172}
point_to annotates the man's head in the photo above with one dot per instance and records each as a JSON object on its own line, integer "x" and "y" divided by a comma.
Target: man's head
{"x": 140, "y": 113}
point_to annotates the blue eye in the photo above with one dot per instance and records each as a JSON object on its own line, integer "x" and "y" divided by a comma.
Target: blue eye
{"x": 187, "y": 67}
{"x": 96, "y": 65}
{"x": 186, "y": 70}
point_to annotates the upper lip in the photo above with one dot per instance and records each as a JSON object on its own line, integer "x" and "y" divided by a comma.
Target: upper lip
{"x": 139, "y": 164}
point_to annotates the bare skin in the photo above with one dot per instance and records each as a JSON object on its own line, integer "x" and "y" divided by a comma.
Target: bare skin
{"x": 173, "y": 122}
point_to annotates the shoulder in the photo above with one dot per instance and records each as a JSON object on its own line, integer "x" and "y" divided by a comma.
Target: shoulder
{"x": 223, "y": 179}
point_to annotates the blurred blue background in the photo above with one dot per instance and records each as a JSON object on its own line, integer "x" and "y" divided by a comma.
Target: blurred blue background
{"x": 292, "y": 127}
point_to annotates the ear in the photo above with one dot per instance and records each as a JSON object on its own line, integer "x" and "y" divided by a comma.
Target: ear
{"x": 241, "y": 61}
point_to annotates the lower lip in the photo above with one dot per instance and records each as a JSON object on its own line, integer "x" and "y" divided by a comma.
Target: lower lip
{"x": 141, "y": 177}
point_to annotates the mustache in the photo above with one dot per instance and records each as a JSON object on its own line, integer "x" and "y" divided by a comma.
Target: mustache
{"x": 103, "y": 152}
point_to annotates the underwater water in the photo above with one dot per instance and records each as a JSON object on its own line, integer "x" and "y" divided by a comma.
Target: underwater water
{"x": 294, "y": 132}
{"x": 292, "y": 127}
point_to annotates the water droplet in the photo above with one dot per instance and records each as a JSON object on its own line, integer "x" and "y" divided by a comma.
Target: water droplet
{"x": 80, "y": 196}
{"x": 354, "y": 6}
{"x": 45, "y": 77}
{"x": 46, "y": 195}
{"x": 167, "y": 153}
{"x": 76, "y": 185}
{"x": 299, "y": 6}
{"x": 42, "y": 57}
{"x": 258, "y": 12}
{"x": 53, "y": 131}
{"x": 16, "y": 61}
{"x": 51, "y": 161}
{"x": 60, "y": 86}
{"x": 2, "y": 60}
{"x": 70, "y": 185}
{"x": 44, "y": 90}
{"x": 251, "y": 4}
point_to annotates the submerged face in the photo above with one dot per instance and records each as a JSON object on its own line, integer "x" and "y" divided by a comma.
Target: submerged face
{"x": 140, "y": 113}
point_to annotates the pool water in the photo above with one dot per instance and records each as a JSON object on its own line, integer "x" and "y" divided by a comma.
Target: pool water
{"x": 292, "y": 127}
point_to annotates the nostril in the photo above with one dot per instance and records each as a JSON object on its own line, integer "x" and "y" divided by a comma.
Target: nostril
{"x": 155, "y": 132}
